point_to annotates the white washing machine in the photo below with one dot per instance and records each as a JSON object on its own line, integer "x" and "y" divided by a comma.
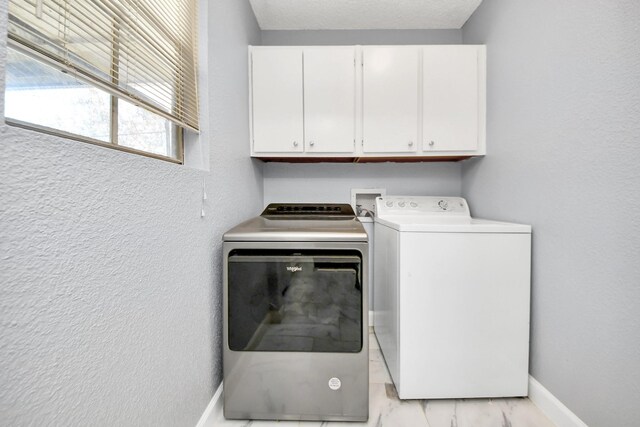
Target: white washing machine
{"x": 451, "y": 299}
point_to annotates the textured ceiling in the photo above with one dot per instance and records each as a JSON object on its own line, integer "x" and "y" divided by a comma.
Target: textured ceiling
{"x": 362, "y": 14}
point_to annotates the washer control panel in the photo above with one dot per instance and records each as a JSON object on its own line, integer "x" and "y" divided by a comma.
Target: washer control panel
{"x": 422, "y": 205}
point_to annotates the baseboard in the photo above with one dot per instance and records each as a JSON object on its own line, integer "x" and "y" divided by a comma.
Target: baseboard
{"x": 213, "y": 411}
{"x": 555, "y": 410}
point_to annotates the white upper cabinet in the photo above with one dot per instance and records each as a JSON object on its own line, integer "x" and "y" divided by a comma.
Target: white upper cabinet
{"x": 451, "y": 98}
{"x": 368, "y": 103}
{"x": 329, "y": 100}
{"x": 390, "y": 90}
{"x": 276, "y": 78}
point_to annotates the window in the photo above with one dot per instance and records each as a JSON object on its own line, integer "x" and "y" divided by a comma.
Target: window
{"x": 116, "y": 73}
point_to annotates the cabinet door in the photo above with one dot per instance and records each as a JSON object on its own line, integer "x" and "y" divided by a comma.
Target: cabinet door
{"x": 329, "y": 100}
{"x": 450, "y": 98}
{"x": 390, "y": 99}
{"x": 277, "y": 100}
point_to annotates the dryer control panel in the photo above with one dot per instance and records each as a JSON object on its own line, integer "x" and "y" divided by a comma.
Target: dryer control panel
{"x": 422, "y": 206}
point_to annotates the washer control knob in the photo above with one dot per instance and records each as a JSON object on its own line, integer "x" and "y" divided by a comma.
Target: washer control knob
{"x": 401, "y": 204}
{"x": 444, "y": 205}
{"x": 414, "y": 205}
{"x": 389, "y": 204}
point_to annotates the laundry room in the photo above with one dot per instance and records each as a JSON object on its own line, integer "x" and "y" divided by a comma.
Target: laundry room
{"x": 311, "y": 212}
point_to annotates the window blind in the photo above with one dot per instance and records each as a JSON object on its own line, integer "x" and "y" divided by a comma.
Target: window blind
{"x": 144, "y": 51}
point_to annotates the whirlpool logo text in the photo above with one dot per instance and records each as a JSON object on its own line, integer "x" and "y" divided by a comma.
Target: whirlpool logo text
{"x": 294, "y": 269}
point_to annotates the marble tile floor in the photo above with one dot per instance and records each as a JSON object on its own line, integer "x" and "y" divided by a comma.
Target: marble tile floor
{"x": 386, "y": 410}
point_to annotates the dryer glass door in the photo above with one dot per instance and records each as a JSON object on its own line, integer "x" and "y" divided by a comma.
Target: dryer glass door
{"x": 308, "y": 301}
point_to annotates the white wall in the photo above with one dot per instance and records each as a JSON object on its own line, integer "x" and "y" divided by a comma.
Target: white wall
{"x": 563, "y": 155}
{"x": 332, "y": 182}
{"x": 110, "y": 293}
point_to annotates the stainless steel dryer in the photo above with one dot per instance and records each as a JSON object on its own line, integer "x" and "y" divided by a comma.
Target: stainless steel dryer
{"x": 296, "y": 315}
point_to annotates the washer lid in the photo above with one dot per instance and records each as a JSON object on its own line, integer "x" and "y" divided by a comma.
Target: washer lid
{"x": 472, "y": 225}
{"x": 438, "y": 215}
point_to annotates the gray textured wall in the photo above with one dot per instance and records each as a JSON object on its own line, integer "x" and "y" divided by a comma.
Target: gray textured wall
{"x": 332, "y": 183}
{"x": 563, "y": 154}
{"x": 363, "y": 37}
{"x": 110, "y": 291}
{"x": 324, "y": 182}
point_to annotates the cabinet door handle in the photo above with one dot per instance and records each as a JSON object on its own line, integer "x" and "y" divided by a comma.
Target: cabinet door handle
{"x": 295, "y": 143}
{"x": 410, "y": 143}
{"x": 431, "y": 143}
{"x": 311, "y": 143}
